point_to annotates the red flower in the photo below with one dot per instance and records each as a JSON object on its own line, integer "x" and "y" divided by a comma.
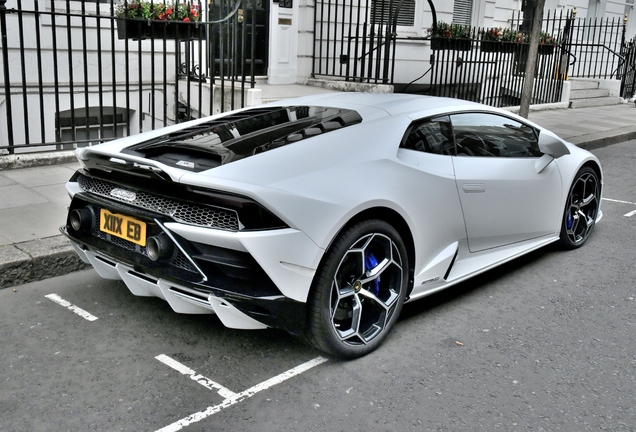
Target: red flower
{"x": 186, "y": 19}
{"x": 447, "y": 33}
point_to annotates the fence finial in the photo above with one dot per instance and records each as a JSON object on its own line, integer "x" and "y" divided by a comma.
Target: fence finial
{"x": 574, "y": 12}
{"x": 625, "y": 20}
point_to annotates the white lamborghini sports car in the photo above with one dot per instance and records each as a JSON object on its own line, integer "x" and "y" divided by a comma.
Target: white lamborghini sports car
{"x": 322, "y": 215}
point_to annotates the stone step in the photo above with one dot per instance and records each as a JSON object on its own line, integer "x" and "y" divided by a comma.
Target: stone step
{"x": 583, "y": 84}
{"x": 589, "y": 93}
{"x": 583, "y": 103}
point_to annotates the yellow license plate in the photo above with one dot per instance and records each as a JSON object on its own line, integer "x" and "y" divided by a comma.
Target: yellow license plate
{"x": 123, "y": 227}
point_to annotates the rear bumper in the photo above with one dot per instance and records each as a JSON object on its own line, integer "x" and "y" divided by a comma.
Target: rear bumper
{"x": 250, "y": 279}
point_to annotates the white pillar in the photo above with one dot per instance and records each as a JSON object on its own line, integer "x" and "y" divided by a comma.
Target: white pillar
{"x": 283, "y": 61}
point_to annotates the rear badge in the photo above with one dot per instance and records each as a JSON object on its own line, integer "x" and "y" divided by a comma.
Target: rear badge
{"x": 123, "y": 194}
{"x": 186, "y": 164}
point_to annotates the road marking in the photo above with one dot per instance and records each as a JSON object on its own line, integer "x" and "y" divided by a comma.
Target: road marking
{"x": 631, "y": 213}
{"x": 618, "y": 201}
{"x": 193, "y": 418}
{"x": 205, "y": 382}
{"x": 68, "y": 305}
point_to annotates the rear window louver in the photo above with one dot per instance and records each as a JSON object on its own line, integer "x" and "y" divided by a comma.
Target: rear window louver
{"x": 243, "y": 134}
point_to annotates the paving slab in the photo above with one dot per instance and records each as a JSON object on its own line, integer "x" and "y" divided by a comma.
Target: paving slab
{"x": 18, "y": 196}
{"x": 24, "y": 223}
{"x": 5, "y": 181}
{"x": 55, "y": 193}
{"x": 40, "y": 176}
{"x": 4, "y": 241}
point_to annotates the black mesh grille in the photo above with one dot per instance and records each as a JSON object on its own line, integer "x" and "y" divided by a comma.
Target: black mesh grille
{"x": 204, "y": 216}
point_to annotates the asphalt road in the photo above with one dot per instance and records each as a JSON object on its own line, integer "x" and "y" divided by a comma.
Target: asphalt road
{"x": 545, "y": 343}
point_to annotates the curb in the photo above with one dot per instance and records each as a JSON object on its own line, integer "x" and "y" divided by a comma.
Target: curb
{"x": 29, "y": 160}
{"x": 35, "y": 260}
{"x": 604, "y": 139}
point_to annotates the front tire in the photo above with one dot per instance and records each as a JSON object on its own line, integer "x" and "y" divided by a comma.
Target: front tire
{"x": 581, "y": 209}
{"x": 358, "y": 290}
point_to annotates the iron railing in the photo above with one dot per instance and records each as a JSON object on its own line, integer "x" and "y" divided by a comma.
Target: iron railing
{"x": 74, "y": 74}
{"x": 493, "y": 71}
{"x": 356, "y": 40}
{"x": 594, "y": 47}
{"x": 628, "y": 73}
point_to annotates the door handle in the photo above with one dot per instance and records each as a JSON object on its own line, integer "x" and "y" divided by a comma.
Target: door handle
{"x": 474, "y": 187}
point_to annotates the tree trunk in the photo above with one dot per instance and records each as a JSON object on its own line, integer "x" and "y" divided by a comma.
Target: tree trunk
{"x": 528, "y": 82}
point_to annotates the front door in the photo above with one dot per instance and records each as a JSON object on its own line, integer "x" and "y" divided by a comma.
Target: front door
{"x": 503, "y": 198}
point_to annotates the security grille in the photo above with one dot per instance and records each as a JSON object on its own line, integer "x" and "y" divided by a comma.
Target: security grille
{"x": 463, "y": 12}
{"x": 381, "y": 12}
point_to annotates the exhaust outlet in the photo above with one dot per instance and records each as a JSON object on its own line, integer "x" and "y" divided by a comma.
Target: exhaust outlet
{"x": 82, "y": 219}
{"x": 159, "y": 247}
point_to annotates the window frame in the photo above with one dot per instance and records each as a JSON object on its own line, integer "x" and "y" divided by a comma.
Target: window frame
{"x": 449, "y": 115}
{"x": 535, "y": 131}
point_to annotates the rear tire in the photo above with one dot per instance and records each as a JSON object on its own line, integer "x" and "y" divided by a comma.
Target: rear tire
{"x": 358, "y": 290}
{"x": 581, "y": 209}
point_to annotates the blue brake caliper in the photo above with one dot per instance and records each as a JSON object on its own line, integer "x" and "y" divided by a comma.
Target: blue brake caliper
{"x": 570, "y": 221}
{"x": 371, "y": 262}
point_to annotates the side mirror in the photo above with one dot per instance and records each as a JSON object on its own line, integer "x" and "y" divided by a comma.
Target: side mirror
{"x": 552, "y": 146}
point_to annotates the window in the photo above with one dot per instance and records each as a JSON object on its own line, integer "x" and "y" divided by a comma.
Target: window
{"x": 481, "y": 134}
{"x": 381, "y": 12}
{"x": 463, "y": 12}
{"x": 431, "y": 136}
{"x": 113, "y": 124}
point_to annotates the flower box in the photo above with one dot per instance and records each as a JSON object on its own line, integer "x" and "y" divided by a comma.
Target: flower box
{"x": 455, "y": 44}
{"x": 498, "y": 46}
{"x": 545, "y": 49}
{"x": 513, "y": 47}
{"x": 147, "y": 29}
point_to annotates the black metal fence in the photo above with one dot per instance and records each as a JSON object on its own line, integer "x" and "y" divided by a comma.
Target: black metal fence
{"x": 628, "y": 71}
{"x": 356, "y": 40}
{"x": 489, "y": 67}
{"x": 80, "y": 73}
{"x": 594, "y": 47}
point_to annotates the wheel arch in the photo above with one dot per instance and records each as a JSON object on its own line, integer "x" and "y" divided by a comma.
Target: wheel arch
{"x": 394, "y": 219}
{"x": 597, "y": 169}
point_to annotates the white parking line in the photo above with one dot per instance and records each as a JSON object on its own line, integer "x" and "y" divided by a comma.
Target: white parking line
{"x": 205, "y": 382}
{"x": 618, "y": 201}
{"x": 193, "y": 418}
{"x": 68, "y": 305}
{"x": 630, "y": 214}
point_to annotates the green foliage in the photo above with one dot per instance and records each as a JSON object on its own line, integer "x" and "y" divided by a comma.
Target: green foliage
{"x": 453, "y": 31}
{"x": 169, "y": 11}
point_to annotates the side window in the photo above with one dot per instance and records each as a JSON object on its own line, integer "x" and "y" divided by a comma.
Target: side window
{"x": 431, "y": 136}
{"x": 481, "y": 134}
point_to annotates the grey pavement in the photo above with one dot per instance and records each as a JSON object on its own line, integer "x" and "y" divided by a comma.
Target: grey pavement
{"x": 33, "y": 199}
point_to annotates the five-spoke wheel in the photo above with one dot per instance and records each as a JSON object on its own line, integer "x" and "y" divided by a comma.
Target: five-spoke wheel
{"x": 359, "y": 290}
{"x": 581, "y": 208}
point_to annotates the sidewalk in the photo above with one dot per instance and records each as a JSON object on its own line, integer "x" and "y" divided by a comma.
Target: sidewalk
{"x": 33, "y": 199}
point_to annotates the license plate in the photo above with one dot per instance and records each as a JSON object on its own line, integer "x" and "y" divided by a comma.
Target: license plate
{"x": 123, "y": 227}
